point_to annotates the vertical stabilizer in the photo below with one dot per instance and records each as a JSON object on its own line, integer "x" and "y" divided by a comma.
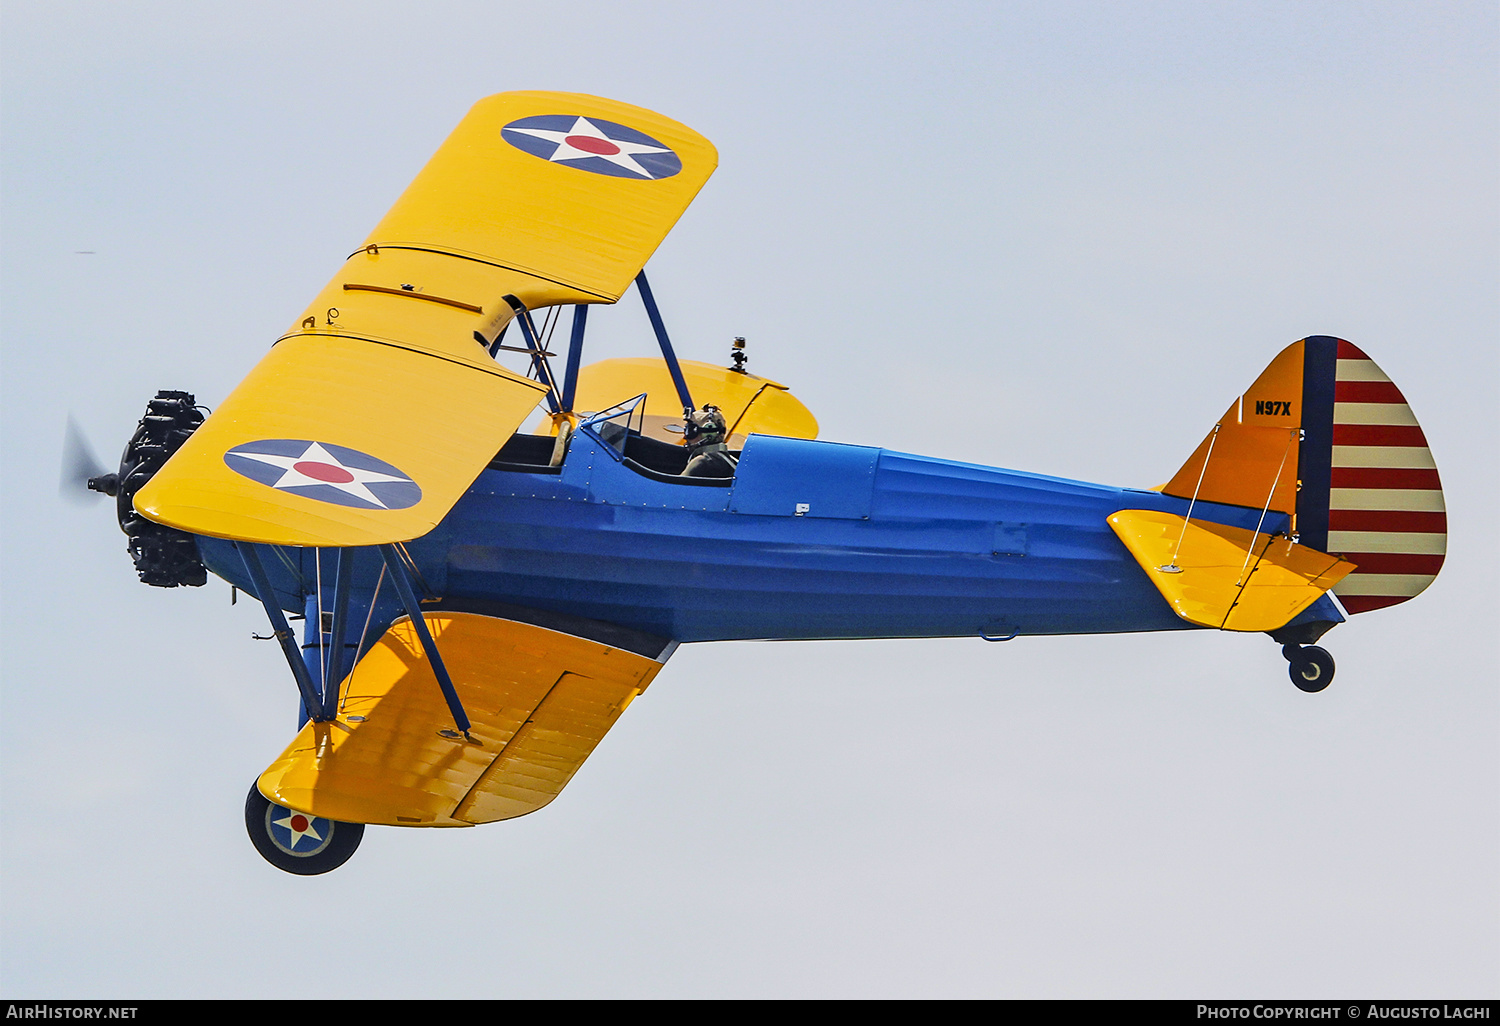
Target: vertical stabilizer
{"x": 1324, "y": 435}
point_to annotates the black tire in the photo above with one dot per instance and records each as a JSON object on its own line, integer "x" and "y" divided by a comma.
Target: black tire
{"x": 1311, "y": 668}
{"x": 278, "y": 833}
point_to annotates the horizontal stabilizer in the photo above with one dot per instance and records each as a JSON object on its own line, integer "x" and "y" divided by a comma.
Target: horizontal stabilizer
{"x": 1226, "y": 577}
{"x": 539, "y": 701}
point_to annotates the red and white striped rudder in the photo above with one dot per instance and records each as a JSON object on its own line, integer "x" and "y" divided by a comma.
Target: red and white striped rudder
{"x": 1385, "y": 502}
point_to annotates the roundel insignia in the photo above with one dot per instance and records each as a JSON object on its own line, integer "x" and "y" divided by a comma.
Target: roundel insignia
{"x": 297, "y": 833}
{"x": 328, "y": 473}
{"x": 593, "y": 144}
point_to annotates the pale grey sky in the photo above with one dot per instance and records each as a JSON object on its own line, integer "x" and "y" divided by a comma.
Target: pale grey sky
{"x": 1058, "y": 237}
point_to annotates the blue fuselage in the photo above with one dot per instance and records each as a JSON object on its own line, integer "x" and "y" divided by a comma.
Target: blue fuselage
{"x": 810, "y": 540}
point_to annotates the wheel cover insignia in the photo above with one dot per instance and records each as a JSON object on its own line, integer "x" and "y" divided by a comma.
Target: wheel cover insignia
{"x": 297, "y": 833}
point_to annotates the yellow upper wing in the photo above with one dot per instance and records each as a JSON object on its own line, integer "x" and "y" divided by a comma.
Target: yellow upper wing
{"x": 571, "y": 189}
{"x": 376, "y": 411}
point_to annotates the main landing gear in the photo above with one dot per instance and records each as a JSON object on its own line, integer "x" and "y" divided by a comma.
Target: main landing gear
{"x": 1311, "y": 667}
{"x": 295, "y": 842}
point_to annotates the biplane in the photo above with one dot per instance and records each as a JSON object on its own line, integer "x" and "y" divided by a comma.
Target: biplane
{"x": 480, "y": 603}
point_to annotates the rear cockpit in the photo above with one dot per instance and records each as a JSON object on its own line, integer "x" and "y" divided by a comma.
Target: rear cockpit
{"x": 621, "y": 428}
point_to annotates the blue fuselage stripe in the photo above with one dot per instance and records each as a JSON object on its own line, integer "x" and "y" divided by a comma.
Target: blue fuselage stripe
{"x": 885, "y": 545}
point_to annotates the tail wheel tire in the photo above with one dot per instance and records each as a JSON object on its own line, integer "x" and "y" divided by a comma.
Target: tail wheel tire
{"x": 295, "y": 842}
{"x": 1311, "y": 668}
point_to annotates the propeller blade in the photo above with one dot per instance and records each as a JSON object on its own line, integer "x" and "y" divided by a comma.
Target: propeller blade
{"x": 79, "y": 467}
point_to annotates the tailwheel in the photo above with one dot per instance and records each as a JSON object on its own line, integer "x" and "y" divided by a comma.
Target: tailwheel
{"x": 1311, "y": 667}
{"x": 295, "y": 842}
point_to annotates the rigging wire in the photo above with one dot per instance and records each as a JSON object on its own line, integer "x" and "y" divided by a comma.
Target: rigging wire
{"x": 1172, "y": 567}
{"x": 1296, "y": 435}
{"x": 362, "y": 635}
{"x": 411, "y": 567}
{"x": 291, "y": 567}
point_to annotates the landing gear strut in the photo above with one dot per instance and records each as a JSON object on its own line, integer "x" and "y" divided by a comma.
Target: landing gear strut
{"x": 1311, "y": 667}
{"x": 295, "y": 842}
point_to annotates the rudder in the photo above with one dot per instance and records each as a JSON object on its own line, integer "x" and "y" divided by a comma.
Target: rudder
{"x": 1385, "y": 509}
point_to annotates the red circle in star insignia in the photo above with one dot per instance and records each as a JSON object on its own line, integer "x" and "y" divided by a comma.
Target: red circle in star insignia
{"x": 323, "y": 472}
{"x": 299, "y": 823}
{"x": 592, "y": 144}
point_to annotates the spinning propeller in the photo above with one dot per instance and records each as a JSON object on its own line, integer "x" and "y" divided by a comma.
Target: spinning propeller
{"x": 81, "y": 470}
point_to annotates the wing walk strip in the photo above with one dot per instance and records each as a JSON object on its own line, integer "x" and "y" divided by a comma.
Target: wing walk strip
{"x": 1386, "y": 511}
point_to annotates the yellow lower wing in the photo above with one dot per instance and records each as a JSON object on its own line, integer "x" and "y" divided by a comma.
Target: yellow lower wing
{"x": 1226, "y": 577}
{"x": 539, "y": 701}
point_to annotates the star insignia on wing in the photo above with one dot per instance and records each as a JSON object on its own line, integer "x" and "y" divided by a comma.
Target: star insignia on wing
{"x": 586, "y": 139}
{"x": 317, "y": 466}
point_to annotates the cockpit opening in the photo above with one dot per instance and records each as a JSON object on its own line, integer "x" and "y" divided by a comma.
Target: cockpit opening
{"x": 620, "y": 428}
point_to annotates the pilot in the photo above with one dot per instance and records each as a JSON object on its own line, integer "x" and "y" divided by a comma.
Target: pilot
{"x": 703, "y": 433}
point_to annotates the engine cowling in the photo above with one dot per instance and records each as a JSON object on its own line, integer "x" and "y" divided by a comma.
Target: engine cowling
{"x": 164, "y": 556}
